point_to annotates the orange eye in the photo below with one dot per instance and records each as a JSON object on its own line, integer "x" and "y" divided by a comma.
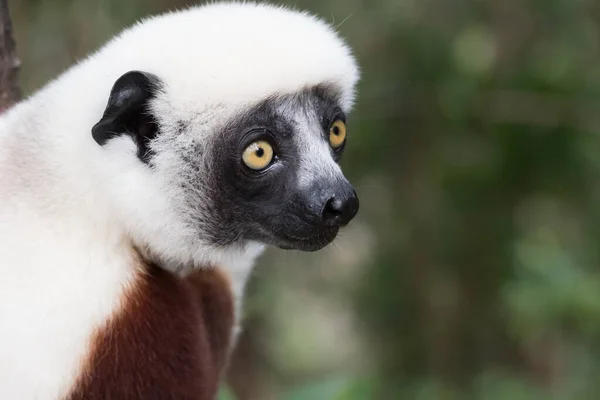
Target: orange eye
{"x": 258, "y": 155}
{"x": 337, "y": 134}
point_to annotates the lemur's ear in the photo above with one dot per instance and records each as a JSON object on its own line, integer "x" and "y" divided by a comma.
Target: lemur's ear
{"x": 127, "y": 111}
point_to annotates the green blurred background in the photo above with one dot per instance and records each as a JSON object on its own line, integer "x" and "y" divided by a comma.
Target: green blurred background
{"x": 472, "y": 269}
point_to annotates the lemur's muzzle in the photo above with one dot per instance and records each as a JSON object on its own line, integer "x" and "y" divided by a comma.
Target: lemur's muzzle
{"x": 331, "y": 204}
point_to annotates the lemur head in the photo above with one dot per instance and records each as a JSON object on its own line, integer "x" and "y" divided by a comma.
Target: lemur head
{"x": 234, "y": 118}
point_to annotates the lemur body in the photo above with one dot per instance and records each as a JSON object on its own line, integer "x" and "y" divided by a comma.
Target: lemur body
{"x": 137, "y": 189}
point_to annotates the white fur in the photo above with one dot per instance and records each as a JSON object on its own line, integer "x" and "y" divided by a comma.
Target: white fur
{"x": 70, "y": 209}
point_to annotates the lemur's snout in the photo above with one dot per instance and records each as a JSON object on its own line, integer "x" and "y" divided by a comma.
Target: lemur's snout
{"x": 333, "y": 205}
{"x": 340, "y": 208}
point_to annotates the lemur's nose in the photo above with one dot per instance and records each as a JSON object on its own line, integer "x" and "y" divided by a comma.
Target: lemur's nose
{"x": 340, "y": 208}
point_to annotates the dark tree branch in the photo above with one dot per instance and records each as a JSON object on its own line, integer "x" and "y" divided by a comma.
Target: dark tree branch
{"x": 9, "y": 62}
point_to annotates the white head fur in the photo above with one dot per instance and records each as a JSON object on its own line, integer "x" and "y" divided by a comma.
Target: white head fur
{"x": 215, "y": 61}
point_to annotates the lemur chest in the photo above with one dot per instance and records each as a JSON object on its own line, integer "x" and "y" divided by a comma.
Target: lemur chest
{"x": 168, "y": 341}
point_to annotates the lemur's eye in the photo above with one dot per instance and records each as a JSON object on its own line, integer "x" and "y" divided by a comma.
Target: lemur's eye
{"x": 258, "y": 155}
{"x": 337, "y": 134}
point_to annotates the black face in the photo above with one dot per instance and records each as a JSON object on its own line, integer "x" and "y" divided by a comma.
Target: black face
{"x": 270, "y": 175}
{"x": 273, "y": 185}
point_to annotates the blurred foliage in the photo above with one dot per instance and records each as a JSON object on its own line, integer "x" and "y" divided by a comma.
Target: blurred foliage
{"x": 472, "y": 272}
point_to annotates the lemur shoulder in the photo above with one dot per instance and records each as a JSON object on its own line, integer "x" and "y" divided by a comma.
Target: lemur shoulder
{"x": 138, "y": 188}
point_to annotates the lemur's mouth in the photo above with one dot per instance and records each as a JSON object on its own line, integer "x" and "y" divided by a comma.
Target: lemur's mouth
{"x": 309, "y": 243}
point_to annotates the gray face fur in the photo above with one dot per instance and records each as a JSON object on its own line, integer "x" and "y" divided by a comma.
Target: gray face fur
{"x": 298, "y": 201}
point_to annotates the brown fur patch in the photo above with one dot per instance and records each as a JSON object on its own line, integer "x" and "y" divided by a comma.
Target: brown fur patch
{"x": 217, "y": 307}
{"x": 169, "y": 341}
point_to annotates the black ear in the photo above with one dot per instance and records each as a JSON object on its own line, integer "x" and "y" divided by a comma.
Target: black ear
{"x": 127, "y": 111}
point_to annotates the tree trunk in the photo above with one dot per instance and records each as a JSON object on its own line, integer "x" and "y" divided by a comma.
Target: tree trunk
{"x": 9, "y": 63}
